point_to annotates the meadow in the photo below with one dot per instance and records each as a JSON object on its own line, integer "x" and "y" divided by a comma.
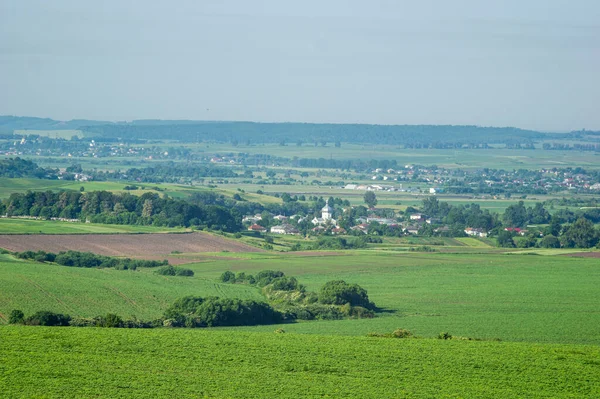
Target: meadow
{"x": 166, "y": 363}
{"x": 528, "y": 298}
{"x": 31, "y": 226}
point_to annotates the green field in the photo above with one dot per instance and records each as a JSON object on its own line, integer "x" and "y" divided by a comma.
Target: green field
{"x": 511, "y": 297}
{"x": 89, "y": 292}
{"x": 108, "y": 363}
{"x": 464, "y": 158}
{"x": 29, "y": 226}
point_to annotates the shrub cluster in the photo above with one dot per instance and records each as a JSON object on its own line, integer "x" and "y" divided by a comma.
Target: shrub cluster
{"x": 339, "y": 292}
{"x": 174, "y": 271}
{"x": 336, "y": 300}
{"x": 88, "y": 259}
{"x": 47, "y": 318}
{"x": 213, "y": 311}
{"x": 398, "y": 333}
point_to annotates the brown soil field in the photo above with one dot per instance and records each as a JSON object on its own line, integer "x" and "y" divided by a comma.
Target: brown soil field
{"x": 135, "y": 245}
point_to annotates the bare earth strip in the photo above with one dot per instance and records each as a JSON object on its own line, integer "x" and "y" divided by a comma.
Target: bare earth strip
{"x": 136, "y": 245}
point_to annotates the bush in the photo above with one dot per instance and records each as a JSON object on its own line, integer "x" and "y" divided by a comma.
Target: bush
{"x": 213, "y": 311}
{"x": 46, "y": 318}
{"x": 110, "y": 320}
{"x": 339, "y": 292}
{"x": 286, "y": 284}
{"x": 550, "y": 241}
{"x": 265, "y": 277}
{"x": 16, "y": 317}
{"x": 398, "y": 333}
{"x": 181, "y": 271}
{"x": 315, "y": 311}
{"x": 227, "y": 277}
{"x": 402, "y": 333}
{"x": 444, "y": 335}
{"x": 174, "y": 271}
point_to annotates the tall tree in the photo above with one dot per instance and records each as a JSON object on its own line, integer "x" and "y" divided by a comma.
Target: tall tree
{"x": 370, "y": 199}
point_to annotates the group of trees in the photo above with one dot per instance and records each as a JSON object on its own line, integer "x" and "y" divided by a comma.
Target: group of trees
{"x": 336, "y": 299}
{"x": 17, "y": 168}
{"x": 470, "y": 215}
{"x": 517, "y": 215}
{"x": 580, "y": 234}
{"x": 175, "y": 271}
{"x": 167, "y": 172}
{"x": 112, "y": 208}
{"x": 89, "y": 259}
{"x": 194, "y": 311}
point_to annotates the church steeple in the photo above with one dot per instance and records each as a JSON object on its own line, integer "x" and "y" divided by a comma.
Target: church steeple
{"x": 327, "y": 211}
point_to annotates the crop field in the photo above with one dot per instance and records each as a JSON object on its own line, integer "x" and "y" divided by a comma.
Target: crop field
{"x": 125, "y": 244}
{"x": 550, "y": 299}
{"x": 9, "y": 186}
{"x": 31, "y": 226}
{"x": 473, "y": 242}
{"x": 166, "y": 363}
{"x": 88, "y": 292}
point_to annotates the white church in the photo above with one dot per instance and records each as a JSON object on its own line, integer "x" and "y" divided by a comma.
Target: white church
{"x": 326, "y": 216}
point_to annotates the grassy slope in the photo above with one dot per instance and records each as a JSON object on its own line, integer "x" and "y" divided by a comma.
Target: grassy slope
{"x": 166, "y": 363}
{"x": 512, "y": 297}
{"x": 89, "y": 292}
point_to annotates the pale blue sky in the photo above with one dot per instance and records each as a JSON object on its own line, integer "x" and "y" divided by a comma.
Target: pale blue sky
{"x": 525, "y": 63}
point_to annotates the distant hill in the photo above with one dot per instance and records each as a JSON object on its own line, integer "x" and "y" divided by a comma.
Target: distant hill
{"x": 309, "y": 133}
{"x": 8, "y": 124}
{"x": 438, "y": 136}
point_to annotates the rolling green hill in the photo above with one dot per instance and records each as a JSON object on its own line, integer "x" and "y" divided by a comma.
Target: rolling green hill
{"x": 511, "y": 297}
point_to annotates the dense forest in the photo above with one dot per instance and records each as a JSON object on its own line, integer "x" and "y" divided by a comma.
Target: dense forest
{"x": 315, "y": 134}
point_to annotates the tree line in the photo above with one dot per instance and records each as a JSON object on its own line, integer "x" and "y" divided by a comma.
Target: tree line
{"x": 124, "y": 208}
{"x": 88, "y": 260}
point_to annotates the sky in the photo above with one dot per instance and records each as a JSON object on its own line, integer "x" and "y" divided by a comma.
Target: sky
{"x": 526, "y": 63}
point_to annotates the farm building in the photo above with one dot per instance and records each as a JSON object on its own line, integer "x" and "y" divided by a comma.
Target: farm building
{"x": 284, "y": 229}
{"x": 474, "y": 232}
{"x": 257, "y": 227}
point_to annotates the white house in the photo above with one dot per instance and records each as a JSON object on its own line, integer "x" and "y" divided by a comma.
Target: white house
{"x": 284, "y": 229}
{"x": 474, "y": 232}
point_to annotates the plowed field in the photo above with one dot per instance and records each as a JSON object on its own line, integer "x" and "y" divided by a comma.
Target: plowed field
{"x": 138, "y": 245}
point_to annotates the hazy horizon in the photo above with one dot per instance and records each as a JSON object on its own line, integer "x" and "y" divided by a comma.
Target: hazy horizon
{"x": 531, "y": 66}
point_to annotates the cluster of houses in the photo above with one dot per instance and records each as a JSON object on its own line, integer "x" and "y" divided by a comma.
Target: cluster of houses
{"x": 326, "y": 223}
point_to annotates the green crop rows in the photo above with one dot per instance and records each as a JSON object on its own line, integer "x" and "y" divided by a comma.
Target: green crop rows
{"x": 511, "y": 297}
{"x": 104, "y": 363}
